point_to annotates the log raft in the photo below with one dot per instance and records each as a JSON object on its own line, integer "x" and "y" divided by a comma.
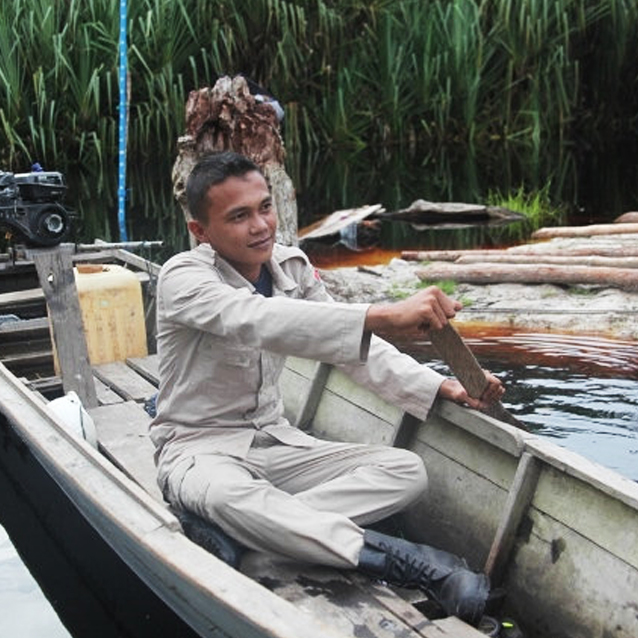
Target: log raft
{"x": 586, "y": 256}
{"x": 488, "y": 273}
{"x": 602, "y": 255}
{"x": 592, "y": 230}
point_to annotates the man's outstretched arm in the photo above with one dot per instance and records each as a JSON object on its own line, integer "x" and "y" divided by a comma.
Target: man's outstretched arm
{"x": 429, "y": 309}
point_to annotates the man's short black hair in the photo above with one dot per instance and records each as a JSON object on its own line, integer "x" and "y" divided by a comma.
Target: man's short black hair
{"x": 211, "y": 170}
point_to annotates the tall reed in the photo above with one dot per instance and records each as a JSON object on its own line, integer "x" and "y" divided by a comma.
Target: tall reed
{"x": 350, "y": 73}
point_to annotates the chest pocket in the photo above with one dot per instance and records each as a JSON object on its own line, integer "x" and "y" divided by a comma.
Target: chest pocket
{"x": 231, "y": 354}
{"x": 240, "y": 357}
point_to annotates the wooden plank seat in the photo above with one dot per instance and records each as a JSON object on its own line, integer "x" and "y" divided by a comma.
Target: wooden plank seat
{"x": 361, "y": 604}
{"x": 125, "y": 381}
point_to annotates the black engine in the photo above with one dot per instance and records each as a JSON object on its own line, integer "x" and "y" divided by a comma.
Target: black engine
{"x": 30, "y": 207}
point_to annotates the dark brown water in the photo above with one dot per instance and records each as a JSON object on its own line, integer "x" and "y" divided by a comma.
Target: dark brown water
{"x": 579, "y": 391}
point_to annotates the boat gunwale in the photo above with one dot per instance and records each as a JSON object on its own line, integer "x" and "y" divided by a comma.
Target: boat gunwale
{"x": 574, "y": 464}
{"x": 508, "y": 438}
{"x": 64, "y": 456}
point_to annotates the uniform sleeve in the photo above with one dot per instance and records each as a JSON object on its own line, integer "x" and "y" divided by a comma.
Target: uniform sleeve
{"x": 192, "y": 295}
{"x": 393, "y": 375}
{"x": 397, "y": 378}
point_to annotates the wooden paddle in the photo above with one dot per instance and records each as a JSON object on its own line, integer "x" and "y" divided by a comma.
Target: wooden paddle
{"x": 454, "y": 351}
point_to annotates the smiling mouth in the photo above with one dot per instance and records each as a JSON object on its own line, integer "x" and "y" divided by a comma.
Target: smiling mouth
{"x": 262, "y": 243}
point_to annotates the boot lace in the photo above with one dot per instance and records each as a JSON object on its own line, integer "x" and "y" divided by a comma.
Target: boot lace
{"x": 405, "y": 570}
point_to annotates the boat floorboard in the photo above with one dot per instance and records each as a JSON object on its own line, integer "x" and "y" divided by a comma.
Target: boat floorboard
{"x": 350, "y": 601}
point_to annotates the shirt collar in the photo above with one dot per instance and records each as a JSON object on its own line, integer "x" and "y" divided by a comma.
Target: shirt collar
{"x": 281, "y": 280}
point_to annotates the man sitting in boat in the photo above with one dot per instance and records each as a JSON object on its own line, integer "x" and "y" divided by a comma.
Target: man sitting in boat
{"x": 229, "y": 312}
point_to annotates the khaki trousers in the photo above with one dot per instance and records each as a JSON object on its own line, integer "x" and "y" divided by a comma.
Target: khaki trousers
{"x": 305, "y": 503}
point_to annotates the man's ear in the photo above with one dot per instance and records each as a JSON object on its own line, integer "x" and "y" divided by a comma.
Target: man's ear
{"x": 197, "y": 230}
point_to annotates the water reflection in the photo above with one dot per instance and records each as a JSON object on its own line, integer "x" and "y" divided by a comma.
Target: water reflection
{"x": 586, "y": 400}
{"x": 596, "y": 417}
{"x": 593, "y": 186}
{"x": 591, "y": 355}
{"x": 26, "y": 612}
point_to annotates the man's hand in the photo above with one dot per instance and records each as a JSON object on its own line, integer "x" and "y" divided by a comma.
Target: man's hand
{"x": 428, "y": 309}
{"x": 453, "y": 390}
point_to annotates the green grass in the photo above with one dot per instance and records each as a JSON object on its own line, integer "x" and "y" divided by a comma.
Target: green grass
{"x": 448, "y": 286}
{"x": 535, "y": 205}
{"x": 398, "y": 292}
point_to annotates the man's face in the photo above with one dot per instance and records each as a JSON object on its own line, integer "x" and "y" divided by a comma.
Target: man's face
{"x": 241, "y": 223}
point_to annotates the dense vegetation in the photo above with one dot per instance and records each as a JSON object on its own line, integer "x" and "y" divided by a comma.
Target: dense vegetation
{"x": 349, "y": 73}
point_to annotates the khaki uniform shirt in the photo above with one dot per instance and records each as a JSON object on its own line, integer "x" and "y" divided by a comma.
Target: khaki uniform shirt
{"x": 222, "y": 348}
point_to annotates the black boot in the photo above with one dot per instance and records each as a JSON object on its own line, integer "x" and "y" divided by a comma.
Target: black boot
{"x": 212, "y": 538}
{"x": 443, "y": 576}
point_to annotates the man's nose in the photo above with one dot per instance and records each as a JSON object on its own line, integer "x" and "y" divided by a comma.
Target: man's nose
{"x": 259, "y": 223}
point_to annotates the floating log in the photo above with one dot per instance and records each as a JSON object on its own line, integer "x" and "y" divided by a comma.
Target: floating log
{"x": 627, "y": 218}
{"x": 554, "y": 260}
{"x": 337, "y": 221}
{"x": 486, "y": 255}
{"x": 445, "y": 255}
{"x": 125, "y": 245}
{"x": 586, "y": 231}
{"x": 422, "y": 213}
{"x": 623, "y": 278}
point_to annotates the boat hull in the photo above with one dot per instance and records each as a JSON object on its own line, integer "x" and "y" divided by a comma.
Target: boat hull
{"x": 90, "y": 587}
{"x": 558, "y": 532}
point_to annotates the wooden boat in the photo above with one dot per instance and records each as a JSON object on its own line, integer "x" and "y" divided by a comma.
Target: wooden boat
{"x": 558, "y": 533}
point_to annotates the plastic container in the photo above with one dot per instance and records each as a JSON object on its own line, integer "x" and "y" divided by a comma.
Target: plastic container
{"x": 112, "y": 312}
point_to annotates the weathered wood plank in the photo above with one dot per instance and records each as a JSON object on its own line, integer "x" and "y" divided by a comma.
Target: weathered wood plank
{"x": 560, "y": 579}
{"x": 338, "y": 419}
{"x": 581, "y": 506}
{"x": 468, "y": 485}
{"x": 530, "y": 250}
{"x": 105, "y": 395}
{"x": 341, "y": 385}
{"x": 44, "y": 385}
{"x": 26, "y": 358}
{"x": 518, "y": 500}
{"x": 399, "y": 600}
{"x": 496, "y": 433}
{"x": 623, "y": 278}
{"x": 460, "y": 359}
{"x": 25, "y": 326}
{"x": 347, "y": 602}
{"x": 123, "y": 436}
{"x": 337, "y": 221}
{"x": 55, "y": 271}
{"x": 342, "y": 406}
{"x": 586, "y": 231}
{"x": 9, "y": 300}
{"x": 630, "y": 216}
{"x": 147, "y": 367}
{"x": 312, "y": 397}
{"x": 150, "y": 268}
{"x": 405, "y": 431}
{"x": 452, "y": 627}
{"x": 559, "y": 260}
{"x": 125, "y": 381}
{"x": 607, "y": 481}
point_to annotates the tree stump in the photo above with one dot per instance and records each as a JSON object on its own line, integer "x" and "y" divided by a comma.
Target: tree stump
{"x": 229, "y": 118}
